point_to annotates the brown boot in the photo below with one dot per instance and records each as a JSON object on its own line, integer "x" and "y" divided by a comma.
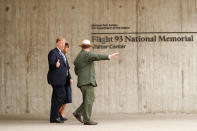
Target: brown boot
{"x": 78, "y": 117}
{"x": 91, "y": 123}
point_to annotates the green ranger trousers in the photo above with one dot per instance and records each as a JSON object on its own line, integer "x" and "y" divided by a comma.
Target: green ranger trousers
{"x": 85, "y": 109}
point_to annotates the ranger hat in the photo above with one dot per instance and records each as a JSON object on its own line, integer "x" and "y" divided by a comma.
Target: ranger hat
{"x": 86, "y": 42}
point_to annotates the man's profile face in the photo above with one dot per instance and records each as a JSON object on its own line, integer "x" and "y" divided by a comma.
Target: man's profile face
{"x": 61, "y": 44}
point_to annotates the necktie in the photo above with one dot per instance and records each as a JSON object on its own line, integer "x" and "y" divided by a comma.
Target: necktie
{"x": 65, "y": 61}
{"x": 63, "y": 57}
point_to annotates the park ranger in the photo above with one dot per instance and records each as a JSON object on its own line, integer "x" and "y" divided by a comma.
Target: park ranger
{"x": 84, "y": 69}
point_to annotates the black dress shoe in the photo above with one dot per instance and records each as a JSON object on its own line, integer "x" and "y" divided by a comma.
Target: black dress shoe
{"x": 57, "y": 120}
{"x": 78, "y": 117}
{"x": 62, "y": 118}
{"x": 91, "y": 123}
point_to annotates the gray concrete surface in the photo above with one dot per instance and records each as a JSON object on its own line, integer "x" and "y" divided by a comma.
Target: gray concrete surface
{"x": 146, "y": 77}
{"x": 107, "y": 122}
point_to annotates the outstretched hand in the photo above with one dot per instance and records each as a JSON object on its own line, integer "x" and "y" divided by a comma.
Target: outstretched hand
{"x": 114, "y": 55}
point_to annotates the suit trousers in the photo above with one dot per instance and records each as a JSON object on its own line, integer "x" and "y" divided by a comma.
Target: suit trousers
{"x": 57, "y": 99}
{"x": 85, "y": 109}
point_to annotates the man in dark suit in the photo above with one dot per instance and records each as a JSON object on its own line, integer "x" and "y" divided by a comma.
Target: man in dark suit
{"x": 57, "y": 78}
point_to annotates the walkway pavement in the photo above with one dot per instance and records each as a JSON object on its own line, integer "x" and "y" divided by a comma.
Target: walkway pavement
{"x": 109, "y": 122}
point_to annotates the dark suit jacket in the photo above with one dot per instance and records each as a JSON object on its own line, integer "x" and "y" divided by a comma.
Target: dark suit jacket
{"x": 57, "y": 76}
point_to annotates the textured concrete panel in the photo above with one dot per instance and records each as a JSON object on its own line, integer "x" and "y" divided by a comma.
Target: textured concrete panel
{"x": 146, "y": 78}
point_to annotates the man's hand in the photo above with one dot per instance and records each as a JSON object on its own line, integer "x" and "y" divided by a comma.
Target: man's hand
{"x": 71, "y": 81}
{"x": 114, "y": 55}
{"x": 58, "y": 63}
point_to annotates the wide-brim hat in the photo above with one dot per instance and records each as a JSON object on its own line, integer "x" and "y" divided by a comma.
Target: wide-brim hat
{"x": 86, "y": 42}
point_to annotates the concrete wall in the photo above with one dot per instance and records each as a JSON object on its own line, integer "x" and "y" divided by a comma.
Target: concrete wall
{"x": 146, "y": 78}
